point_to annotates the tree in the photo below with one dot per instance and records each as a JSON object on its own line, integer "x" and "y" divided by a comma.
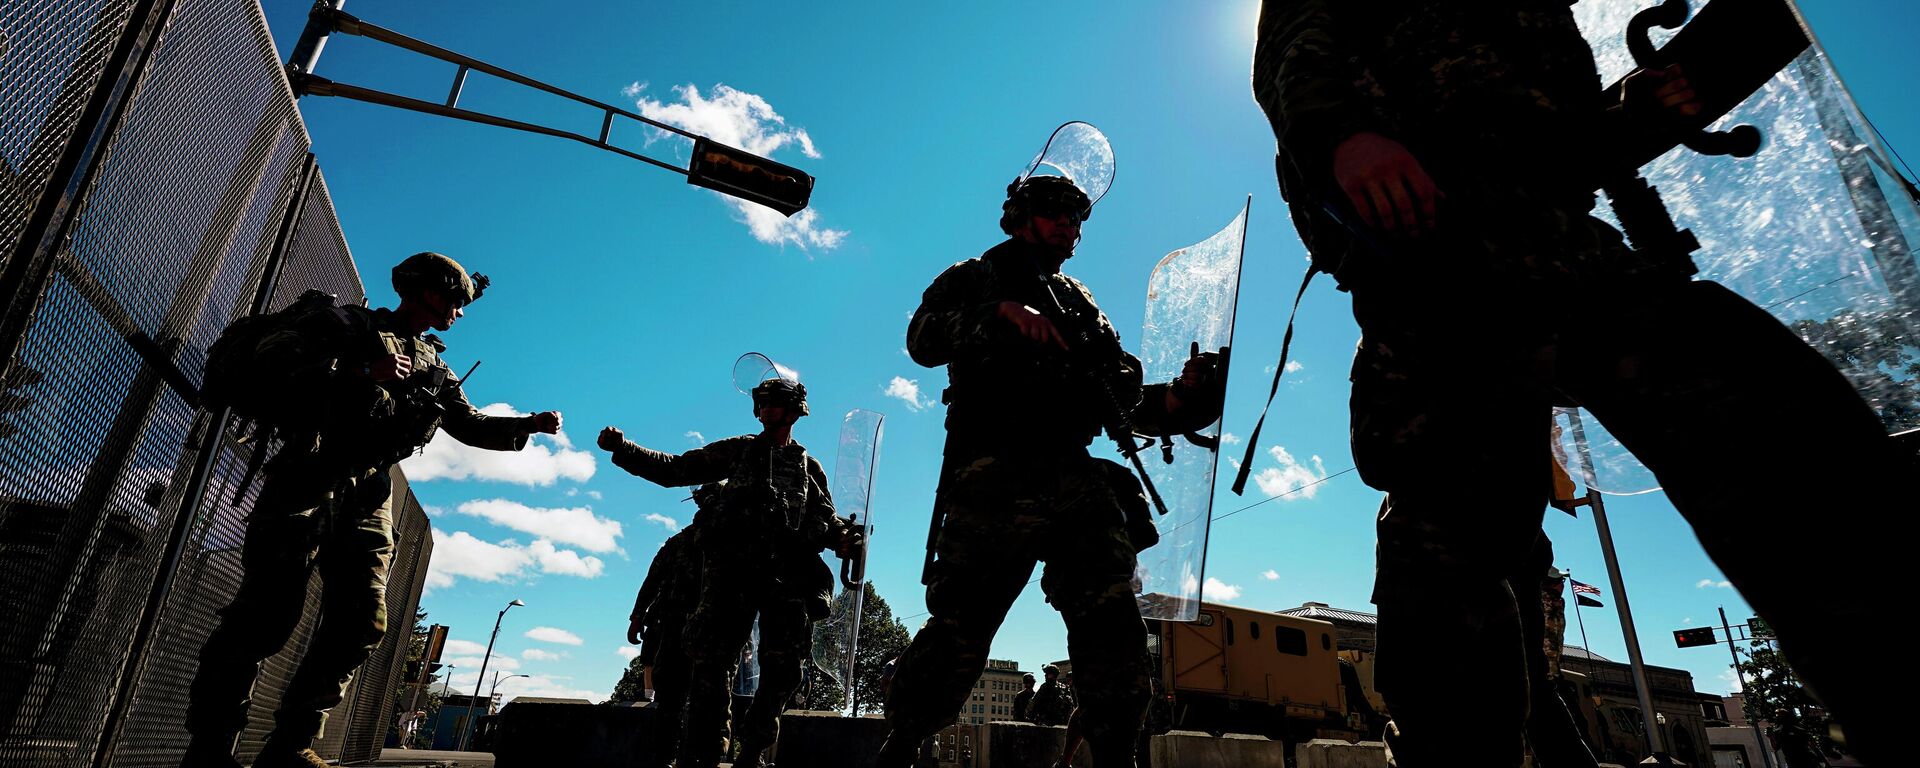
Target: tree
{"x": 1794, "y": 721}
{"x": 404, "y": 688}
{"x": 632, "y": 686}
{"x": 1877, "y": 356}
{"x": 882, "y": 639}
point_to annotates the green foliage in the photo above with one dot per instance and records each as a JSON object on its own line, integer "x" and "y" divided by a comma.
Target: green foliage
{"x": 1794, "y": 721}
{"x": 1877, "y": 356}
{"x": 632, "y": 686}
{"x": 882, "y": 639}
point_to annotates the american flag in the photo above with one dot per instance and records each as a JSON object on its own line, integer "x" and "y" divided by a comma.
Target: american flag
{"x": 1584, "y": 589}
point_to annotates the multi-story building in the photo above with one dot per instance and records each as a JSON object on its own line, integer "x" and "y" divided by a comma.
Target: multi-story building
{"x": 992, "y": 697}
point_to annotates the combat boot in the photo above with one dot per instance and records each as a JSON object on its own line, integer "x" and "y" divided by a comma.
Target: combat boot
{"x": 283, "y": 757}
{"x": 750, "y": 758}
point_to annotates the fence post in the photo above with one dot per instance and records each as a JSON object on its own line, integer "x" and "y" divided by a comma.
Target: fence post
{"x": 212, "y": 434}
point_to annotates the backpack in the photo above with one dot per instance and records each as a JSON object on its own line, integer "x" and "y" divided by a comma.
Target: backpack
{"x": 234, "y": 379}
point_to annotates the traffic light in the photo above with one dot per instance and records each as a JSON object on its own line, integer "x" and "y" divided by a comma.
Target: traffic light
{"x": 1690, "y": 638}
{"x": 748, "y": 176}
{"x": 433, "y": 669}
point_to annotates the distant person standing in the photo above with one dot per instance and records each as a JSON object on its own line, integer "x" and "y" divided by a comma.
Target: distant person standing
{"x": 1053, "y": 703}
{"x": 1023, "y": 701}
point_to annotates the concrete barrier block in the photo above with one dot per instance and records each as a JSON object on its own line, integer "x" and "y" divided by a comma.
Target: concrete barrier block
{"x": 828, "y": 740}
{"x": 1194, "y": 749}
{"x": 1333, "y": 753}
{"x": 1020, "y": 745}
{"x": 538, "y": 735}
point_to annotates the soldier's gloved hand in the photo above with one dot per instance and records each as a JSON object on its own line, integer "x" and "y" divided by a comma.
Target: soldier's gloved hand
{"x": 390, "y": 368}
{"x": 1659, "y": 95}
{"x": 852, "y": 540}
{"x": 1385, "y": 184}
{"x": 546, "y": 422}
{"x": 633, "y": 631}
{"x": 611, "y": 438}
{"x": 1031, "y": 324}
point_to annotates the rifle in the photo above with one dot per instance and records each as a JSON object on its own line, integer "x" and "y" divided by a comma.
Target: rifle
{"x": 1115, "y": 421}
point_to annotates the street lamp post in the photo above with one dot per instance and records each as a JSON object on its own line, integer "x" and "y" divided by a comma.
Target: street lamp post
{"x": 491, "y": 690}
{"x": 473, "y": 720}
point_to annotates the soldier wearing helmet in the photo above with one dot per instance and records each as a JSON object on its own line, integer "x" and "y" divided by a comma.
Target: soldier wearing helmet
{"x": 760, "y": 548}
{"x": 1031, "y": 363}
{"x": 371, "y": 389}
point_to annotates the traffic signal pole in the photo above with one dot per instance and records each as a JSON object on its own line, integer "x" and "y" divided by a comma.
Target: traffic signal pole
{"x": 1766, "y": 755}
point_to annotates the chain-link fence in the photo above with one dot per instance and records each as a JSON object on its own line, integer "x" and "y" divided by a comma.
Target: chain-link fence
{"x": 155, "y": 184}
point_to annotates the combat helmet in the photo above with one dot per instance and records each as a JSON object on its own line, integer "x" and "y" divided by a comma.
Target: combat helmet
{"x": 1044, "y": 195}
{"x": 432, "y": 271}
{"x": 781, "y": 392}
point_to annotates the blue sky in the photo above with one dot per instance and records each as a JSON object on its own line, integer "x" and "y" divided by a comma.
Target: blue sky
{"x": 621, "y": 296}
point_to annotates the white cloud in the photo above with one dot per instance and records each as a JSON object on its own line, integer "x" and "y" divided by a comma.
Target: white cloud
{"x": 461, "y": 555}
{"x": 1270, "y": 575}
{"x": 463, "y": 648}
{"x": 907, "y": 391}
{"x": 577, "y": 526}
{"x": 1731, "y": 680}
{"x": 498, "y": 661}
{"x": 740, "y": 119}
{"x": 1229, "y": 438}
{"x": 1294, "y": 366}
{"x": 1291, "y": 475}
{"x": 535, "y": 654}
{"x": 565, "y": 562}
{"x": 546, "y": 458}
{"x": 554, "y": 635}
{"x": 1216, "y": 589}
{"x": 696, "y": 437}
{"x": 1705, "y": 583}
{"x": 595, "y": 495}
{"x": 627, "y": 652}
{"x": 664, "y": 521}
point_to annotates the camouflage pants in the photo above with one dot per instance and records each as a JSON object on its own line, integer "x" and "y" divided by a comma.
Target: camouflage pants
{"x": 1002, "y": 514}
{"x": 1733, "y": 413}
{"x": 731, "y": 595}
{"x": 303, "y": 520}
{"x": 672, "y": 673}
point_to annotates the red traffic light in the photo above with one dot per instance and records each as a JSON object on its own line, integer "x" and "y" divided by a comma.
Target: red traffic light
{"x": 1689, "y": 638}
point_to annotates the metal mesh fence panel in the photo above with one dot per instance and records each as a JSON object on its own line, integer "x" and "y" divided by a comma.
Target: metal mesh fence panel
{"x": 96, "y": 447}
{"x": 52, "y": 53}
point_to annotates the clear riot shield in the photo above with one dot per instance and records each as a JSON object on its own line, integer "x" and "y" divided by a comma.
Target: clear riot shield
{"x": 1816, "y": 228}
{"x": 1191, "y": 297}
{"x": 1079, "y": 152}
{"x": 853, "y": 472}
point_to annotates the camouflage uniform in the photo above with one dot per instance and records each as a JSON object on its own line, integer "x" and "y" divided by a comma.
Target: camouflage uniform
{"x": 774, "y": 517}
{"x": 666, "y": 598}
{"x": 325, "y": 504}
{"x": 1521, "y": 300}
{"x": 1018, "y": 487}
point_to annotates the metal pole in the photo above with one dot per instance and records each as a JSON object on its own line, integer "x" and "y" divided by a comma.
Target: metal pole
{"x": 313, "y": 38}
{"x": 1766, "y": 759}
{"x": 1583, "y": 631}
{"x": 1656, "y": 743}
{"x": 472, "y": 721}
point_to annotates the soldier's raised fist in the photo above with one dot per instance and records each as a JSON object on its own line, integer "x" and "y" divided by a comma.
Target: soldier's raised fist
{"x": 547, "y": 422}
{"x": 611, "y": 438}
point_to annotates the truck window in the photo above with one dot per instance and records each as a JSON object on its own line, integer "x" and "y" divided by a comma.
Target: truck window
{"x": 1290, "y": 641}
{"x": 1253, "y": 630}
{"x": 1229, "y": 621}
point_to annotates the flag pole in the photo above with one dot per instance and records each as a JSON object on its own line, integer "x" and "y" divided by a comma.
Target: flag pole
{"x": 1584, "y": 646}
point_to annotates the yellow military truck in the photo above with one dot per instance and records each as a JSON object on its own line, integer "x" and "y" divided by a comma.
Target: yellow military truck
{"x": 1238, "y": 670}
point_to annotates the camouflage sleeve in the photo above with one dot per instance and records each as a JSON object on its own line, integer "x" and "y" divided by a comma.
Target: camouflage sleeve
{"x": 657, "y": 575}
{"x": 828, "y": 526}
{"x": 1124, "y": 377}
{"x": 707, "y": 464}
{"x": 954, "y": 316}
{"x": 468, "y": 425}
{"x": 1310, "y": 81}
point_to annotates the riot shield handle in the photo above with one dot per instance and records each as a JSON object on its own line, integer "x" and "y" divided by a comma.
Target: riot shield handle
{"x": 1741, "y": 140}
{"x": 853, "y": 570}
